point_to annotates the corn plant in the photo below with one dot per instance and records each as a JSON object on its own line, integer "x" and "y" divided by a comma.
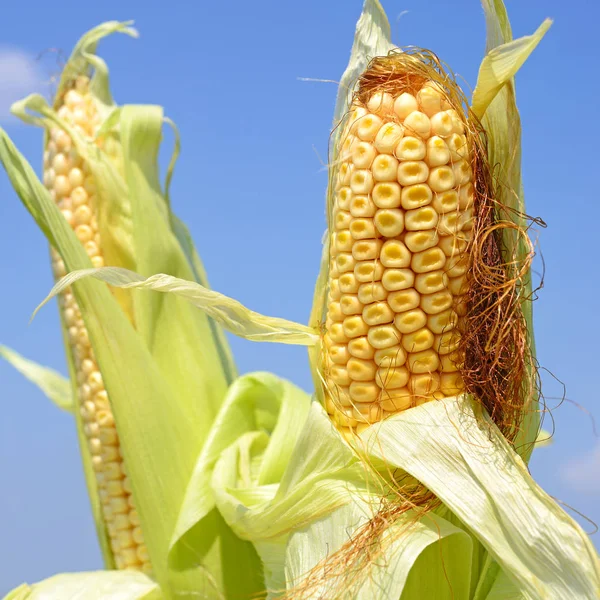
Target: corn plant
{"x": 405, "y": 476}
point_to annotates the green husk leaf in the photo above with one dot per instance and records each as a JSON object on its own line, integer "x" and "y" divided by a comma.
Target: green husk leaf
{"x": 419, "y": 559}
{"x": 56, "y": 387}
{"x": 97, "y": 585}
{"x": 544, "y": 439}
{"x": 500, "y": 65}
{"x": 504, "y": 589}
{"x": 460, "y": 455}
{"x": 256, "y": 404}
{"x": 228, "y": 312}
{"x": 153, "y": 408}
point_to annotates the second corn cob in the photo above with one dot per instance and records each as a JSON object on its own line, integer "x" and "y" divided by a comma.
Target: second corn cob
{"x": 71, "y": 185}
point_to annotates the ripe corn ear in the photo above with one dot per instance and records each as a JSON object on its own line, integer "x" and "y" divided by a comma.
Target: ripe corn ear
{"x": 400, "y": 226}
{"x": 71, "y": 184}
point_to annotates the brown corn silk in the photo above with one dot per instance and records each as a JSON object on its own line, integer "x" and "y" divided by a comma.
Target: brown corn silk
{"x": 421, "y": 303}
{"x": 425, "y": 296}
{"x": 71, "y": 184}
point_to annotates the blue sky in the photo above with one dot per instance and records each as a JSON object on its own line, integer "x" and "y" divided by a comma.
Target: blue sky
{"x": 250, "y": 184}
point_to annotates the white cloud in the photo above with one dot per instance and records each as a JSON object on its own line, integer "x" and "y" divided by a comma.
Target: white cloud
{"x": 20, "y": 75}
{"x": 583, "y": 473}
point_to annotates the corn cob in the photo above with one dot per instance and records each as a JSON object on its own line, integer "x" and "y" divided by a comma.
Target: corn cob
{"x": 400, "y": 227}
{"x": 71, "y": 185}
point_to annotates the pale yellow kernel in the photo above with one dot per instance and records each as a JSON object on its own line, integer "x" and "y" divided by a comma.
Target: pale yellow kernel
{"x": 97, "y": 262}
{"x": 467, "y": 219}
{"x": 411, "y": 172}
{"x": 337, "y": 397}
{"x": 441, "y": 124}
{"x": 342, "y": 219}
{"x": 462, "y": 172}
{"x": 49, "y": 178}
{"x": 457, "y": 265}
{"x": 466, "y": 195}
{"x": 383, "y": 336}
{"x": 125, "y": 539}
{"x": 95, "y": 381}
{"x": 443, "y": 321}
{"x": 84, "y": 233}
{"x": 334, "y": 288}
{"x": 350, "y": 305}
{"x": 371, "y": 292}
{"x": 426, "y": 361}
{"x": 84, "y": 340}
{"x": 61, "y": 164}
{"x": 357, "y": 113}
{"x": 410, "y": 321}
{"x": 114, "y": 488}
{"x": 397, "y": 279}
{"x": 344, "y": 197}
{"x": 392, "y": 378}
{"x": 438, "y": 152}
{"x": 360, "y": 348}
{"x": 429, "y": 283}
{"x": 416, "y": 196}
{"x": 410, "y": 148}
{"x": 339, "y": 375}
{"x": 79, "y": 197}
{"x": 58, "y": 266}
{"x": 377, "y": 313}
{"x": 364, "y": 250}
{"x": 363, "y": 391}
{"x": 85, "y": 392}
{"x": 80, "y": 117}
{"x": 118, "y": 505}
{"x": 424, "y": 384}
{"x": 405, "y": 104}
{"x": 361, "y": 370}
{"x": 385, "y": 168}
{"x": 363, "y": 155}
{"x": 134, "y": 556}
{"x": 362, "y": 206}
{"x": 138, "y": 536}
{"x": 458, "y": 285}
{"x": 370, "y": 270}
{"x": 343, "y": 241}
{"x": 386, "y": 195}
{"x": 354, "y": 326}
{"x": 345, "y": 262}
{"x": 108, "y": 437}
{"x": 347, "y": 147}
{"x": 436, "y": 303}
{"x": 94, "y": 444}
{"x": 345, "y": 174}
{"x": 445, "y": 202}
{"x": 441, "y": 179}
{"x": 389, "y": 221}
{"x": 105, "y": 419}
{"x": 395, "y": 254}
{"x": 73, "y": 99}
{"x": 404, "y": 300}
{"x": 396, "y": 400}
{"x": 338, "y": 354}
{"x": 62, "y": 187}
{"x": 91, "y": 248}
{"x": 110, "y": 454}
{"x": 429, "y": 98}
{"x": 450, "y": 362}
{"x": 392, "y": 356}
{"x": 98, "y": 465}
{"x": 120, "y": 522}
{"x": 82, "y": 216}
{"x": 450, "y": 223}
{"x": 432, "y": 259}
{"x": 368, "y": 126}
{"x": 335, "y": 312}
{"x": 417, "y": 241}
{"x": 457, "y": 144}
{"x": 457, "y": 121}
{"x": 113, "y": 471}
{"x": 452, "y": 245}
{"x": 420, "y": 219}
{"x": 418, "y": 123}
{"x": 62, "y": 140}
{"x": 363, "y": 229}
{"x": 388, "y": 137}
{"x": 447, "y": 342}
{"x": 381, "y": 102}
{"x": 348, "y": 283}
{"x": 451, "y": 384}
{"x": 417, "y": 341}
